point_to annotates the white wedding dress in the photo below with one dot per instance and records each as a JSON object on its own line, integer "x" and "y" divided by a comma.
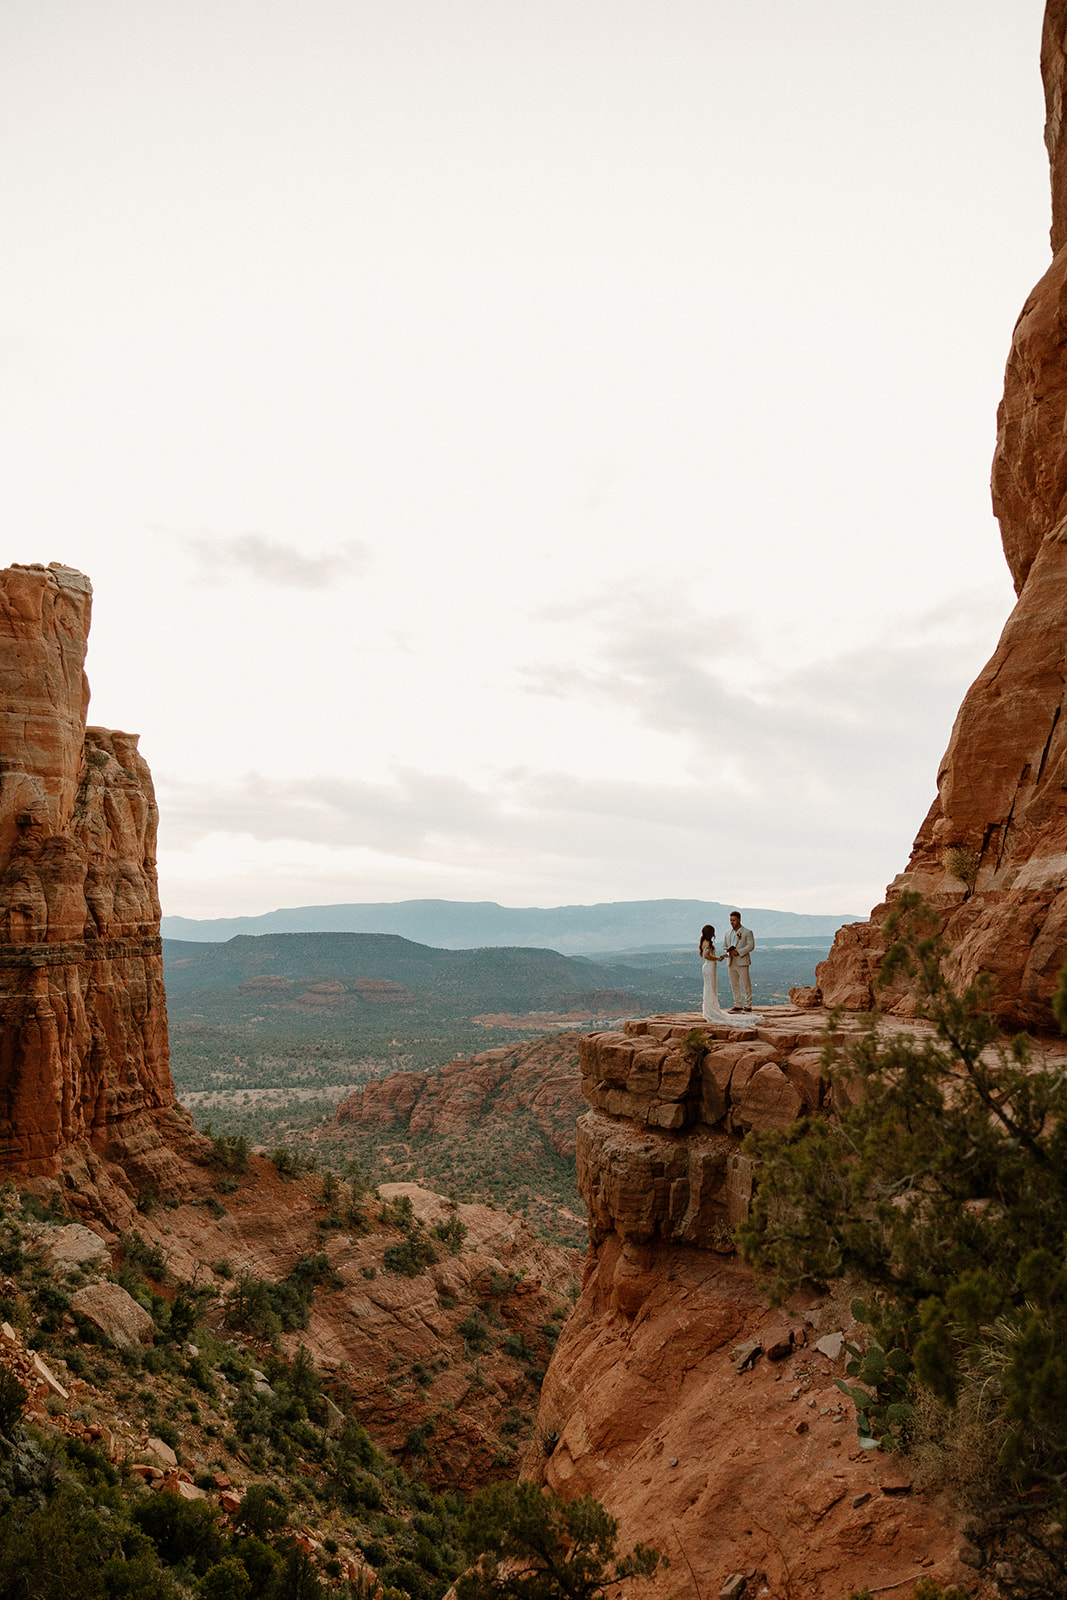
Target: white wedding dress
{"x": 711, "y": 1011}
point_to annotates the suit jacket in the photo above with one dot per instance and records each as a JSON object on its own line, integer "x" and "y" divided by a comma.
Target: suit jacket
{"x": 741, "y": 953}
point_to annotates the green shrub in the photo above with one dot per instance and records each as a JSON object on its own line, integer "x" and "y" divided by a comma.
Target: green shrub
{"x": 516, "y": 1345}
{"x": 13, "y": 1398}
{"x": 415, "y": 1443}
{"x": 287, "y": 1162}
{"x": 525, "y": 1544}
{"x": 181, "y": 1530}
{"x": 34, "y": 1210}
{"x": 138, "y": 1253}
{"x": 69, "y": 1550}
{"x": 399, "y": 1213}
{"x": 226, "y": 1580}
{"x": 263, "y": 1511}
{"x": 474, "y": 1331}
{"x": 229, "y": 1152}
{"x": 411, "y": 1257}
{"x": 452, "y": 1233}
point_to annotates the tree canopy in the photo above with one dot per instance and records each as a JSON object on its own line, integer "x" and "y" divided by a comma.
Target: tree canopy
{"x": 528, "y": 1545}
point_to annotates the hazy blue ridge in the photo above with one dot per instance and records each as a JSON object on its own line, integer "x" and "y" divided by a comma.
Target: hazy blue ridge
{"x": 495, "y": 976}
{"x": 459, "y": 924}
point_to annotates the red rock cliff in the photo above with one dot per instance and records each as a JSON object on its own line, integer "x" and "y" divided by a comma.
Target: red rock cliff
{"x": 83, "y": 1054}
{"x": 709, "y": 1424}
{"x": 1002, "y": 787}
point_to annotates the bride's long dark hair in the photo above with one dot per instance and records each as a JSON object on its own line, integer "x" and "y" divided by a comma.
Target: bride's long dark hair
{"x": 707, "y": 936}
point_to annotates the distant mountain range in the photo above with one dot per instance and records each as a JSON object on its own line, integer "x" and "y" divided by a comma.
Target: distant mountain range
{"x": 381, "y": 970}
{"x": 463, "y": 925}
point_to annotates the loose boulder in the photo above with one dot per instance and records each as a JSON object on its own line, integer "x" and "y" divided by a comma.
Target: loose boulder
{"x": 108, "y": 1307}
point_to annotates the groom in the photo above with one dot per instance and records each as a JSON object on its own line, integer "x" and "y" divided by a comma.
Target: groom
{"x": 739, "y": 945}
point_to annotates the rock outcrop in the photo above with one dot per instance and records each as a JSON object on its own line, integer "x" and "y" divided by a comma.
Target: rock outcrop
{"x": 709, "y": 1424}
{"x": 540, "y": 1077}
{"x": 83, "y": 1053}
{"x": 991, "y": 855}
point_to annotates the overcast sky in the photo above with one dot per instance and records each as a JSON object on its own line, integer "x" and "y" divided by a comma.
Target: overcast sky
{"x": 528, "y": 450}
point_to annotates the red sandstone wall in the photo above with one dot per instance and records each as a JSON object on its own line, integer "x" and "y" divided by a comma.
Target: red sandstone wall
{"x": 83, "y": 1046}
{"x": 1002, "y": 787}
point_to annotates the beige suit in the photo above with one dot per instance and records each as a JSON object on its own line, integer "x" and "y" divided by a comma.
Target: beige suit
{"x": 739, "y": 962}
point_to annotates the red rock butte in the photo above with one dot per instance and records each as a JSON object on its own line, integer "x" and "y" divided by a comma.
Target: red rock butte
{"x": 84, "y": 1067}
{"x": 1000, "y": 816}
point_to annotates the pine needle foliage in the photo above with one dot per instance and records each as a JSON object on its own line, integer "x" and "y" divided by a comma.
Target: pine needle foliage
{"x": 528, "y": 1545}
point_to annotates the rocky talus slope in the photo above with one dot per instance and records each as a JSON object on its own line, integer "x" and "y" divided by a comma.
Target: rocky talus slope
{"x": 84, "y": 1072}
{"x": 708, "y": 1423}
{"x": 455, "y": 1349}
{"x": 991, "y": 854}
{"x": 440, "y": 1365}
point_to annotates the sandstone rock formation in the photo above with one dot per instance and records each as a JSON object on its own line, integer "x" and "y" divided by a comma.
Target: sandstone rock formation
{"x": 1000, "y": 815}
{"x": 540, "y": 1077}
{"x": 108, "y": 1307}
{"x": 83, "y": 1054}
{"x": 707, "y": 1423}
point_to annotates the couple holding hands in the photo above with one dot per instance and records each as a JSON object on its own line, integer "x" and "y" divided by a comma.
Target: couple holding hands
{"x": 737, "y": 953}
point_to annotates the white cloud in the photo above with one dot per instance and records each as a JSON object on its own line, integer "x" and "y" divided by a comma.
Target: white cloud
{"x": 273, "y": 562}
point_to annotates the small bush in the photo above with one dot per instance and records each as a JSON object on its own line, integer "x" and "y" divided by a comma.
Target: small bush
{"x": 262, "y": 1512}
{"x": 452, "y": 1233}
{"x": 229, "y": 1152}
{"x": 474, "y": 1331}
{"x": 34, "y": 1210}
{"x": 410, "y": 1258}
{"x": 13, "y": 1398}
{"x": 181, "y": 1530}
{"x": 138, "y": 1253}
{"x": 287, "y": 1162}
{"x": 399, "y": 1213}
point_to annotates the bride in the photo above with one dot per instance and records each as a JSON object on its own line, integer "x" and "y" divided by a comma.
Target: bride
{"x": 710, "y": 1009}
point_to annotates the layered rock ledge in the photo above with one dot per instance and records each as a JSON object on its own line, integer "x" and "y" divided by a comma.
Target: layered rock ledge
{"x": 84, "y": 1065}
{"x": 671, "y": 1097}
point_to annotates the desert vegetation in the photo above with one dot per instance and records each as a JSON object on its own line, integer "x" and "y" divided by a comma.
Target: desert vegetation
{"x": 278, "y": 1489}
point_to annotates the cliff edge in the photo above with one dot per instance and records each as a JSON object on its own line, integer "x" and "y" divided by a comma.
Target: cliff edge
{"x": 991, "y": 855}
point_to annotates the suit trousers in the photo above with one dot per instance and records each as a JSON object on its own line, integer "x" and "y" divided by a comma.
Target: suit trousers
{"x": 741, "y": 983}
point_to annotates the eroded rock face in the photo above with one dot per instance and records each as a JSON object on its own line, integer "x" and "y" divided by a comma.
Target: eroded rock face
{"x": 709, "y": 1424}
{"x": 537, "y": 1077}
{"x": 726, "y": 1466}
{"x": 1002, "y": 787}
{"x": 83, "y": 1045}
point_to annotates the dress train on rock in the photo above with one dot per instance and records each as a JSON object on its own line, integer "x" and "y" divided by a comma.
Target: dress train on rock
{"x": 711, "y": 1010}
